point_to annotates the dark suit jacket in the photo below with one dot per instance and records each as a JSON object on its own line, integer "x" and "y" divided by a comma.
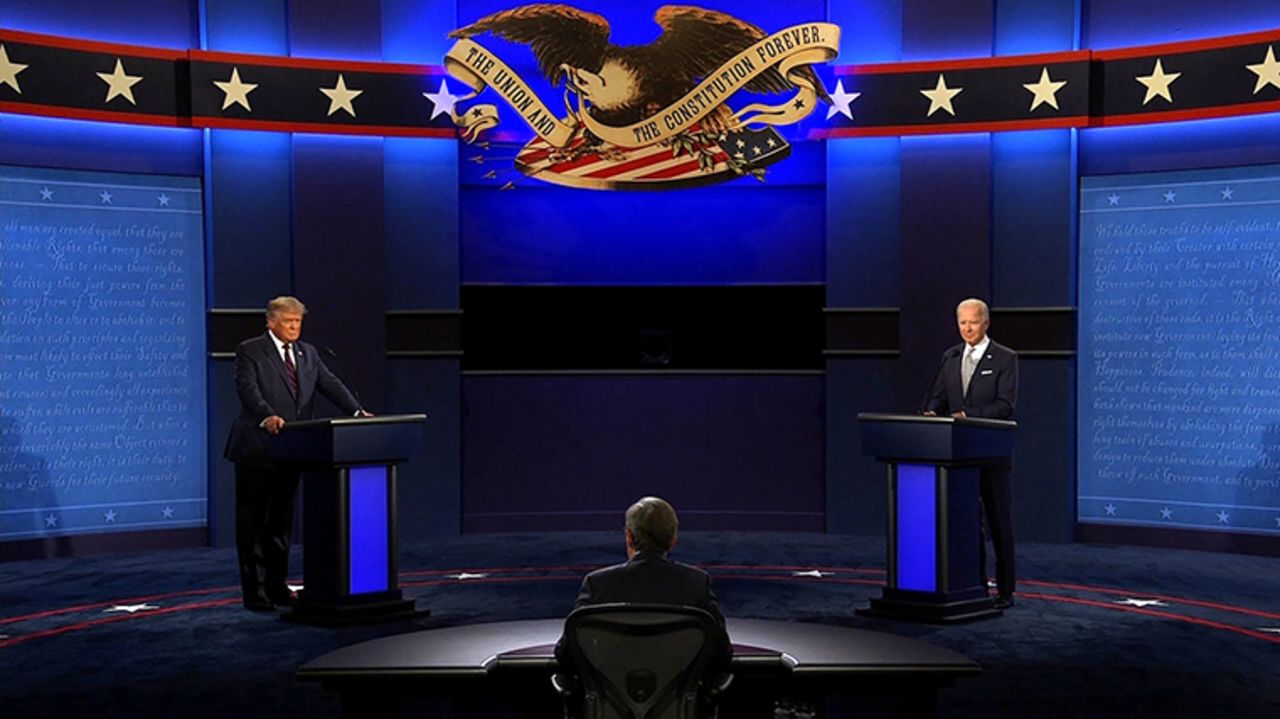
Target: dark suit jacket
{"x": 651, "y": 578}
{"x": 263, "y": 387}
{"x": 993, "y": 389}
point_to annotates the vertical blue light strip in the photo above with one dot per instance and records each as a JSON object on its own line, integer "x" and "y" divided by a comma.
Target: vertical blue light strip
{"x": 367, "y": 533}
{"x": 917, "y": 527}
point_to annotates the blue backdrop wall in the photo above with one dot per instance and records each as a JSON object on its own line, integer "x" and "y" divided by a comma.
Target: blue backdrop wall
{"x": 378, "y": 235}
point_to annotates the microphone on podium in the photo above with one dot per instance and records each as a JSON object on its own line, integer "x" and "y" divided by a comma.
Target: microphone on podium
{"x": 345, "y": 376}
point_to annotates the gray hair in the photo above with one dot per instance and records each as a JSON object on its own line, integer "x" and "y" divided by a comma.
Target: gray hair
{"x": 285, "y": 303}
{"x": 653, "y": 524}
{"x": 975, "y": 302}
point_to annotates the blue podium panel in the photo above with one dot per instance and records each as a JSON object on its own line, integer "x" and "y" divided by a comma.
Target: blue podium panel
{"x": 916, "y": 535}
{"x": 368, "y": 529}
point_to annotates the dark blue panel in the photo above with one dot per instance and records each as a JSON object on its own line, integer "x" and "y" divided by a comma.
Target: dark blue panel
{"x": 106, "y": 146}
{"x": 864, "y": 204}
{"x": 1044, "y": 475}
{"x": 1033, "y": 210}
{"x": 416, "y": 31}
{"x": 571, "y": 452}
{"x": 258, "y": 27}
{"x": 1026, "y": 28}
{"x": 224, "y": 405}
{"x": 336, "y": 29}
{"x": 917, "y": 528}
{"x": 856, "y": 486}
{"x": 869, "y": 31}
{"x": 250, "y": 195}
{"x": 156, "y": 23}
{"x": 429, "y": 493}
{"x": 367, "y": 530}
{"x": 944, "y": 29}
{"x": 421, "y": 188}
{"x": 340, "y": 255}
{"x": 1180, "y": 145}
{"x": 1127, "y": 23}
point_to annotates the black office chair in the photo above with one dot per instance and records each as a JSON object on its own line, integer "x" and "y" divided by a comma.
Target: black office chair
{"x": 640, "y": 661}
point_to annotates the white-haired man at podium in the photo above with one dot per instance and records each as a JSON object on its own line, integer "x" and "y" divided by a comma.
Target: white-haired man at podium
{"x": 979, "y": 378}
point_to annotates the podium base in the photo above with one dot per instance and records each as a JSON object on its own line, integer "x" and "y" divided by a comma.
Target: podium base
{"x": 931, "y": 608}
{"x": 381, "y": 607}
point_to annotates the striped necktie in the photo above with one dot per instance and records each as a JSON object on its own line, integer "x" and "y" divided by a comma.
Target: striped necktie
{"x": 290, "y": 369}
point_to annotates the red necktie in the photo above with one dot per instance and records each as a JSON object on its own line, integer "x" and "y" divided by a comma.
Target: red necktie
{"x": 290, "y": 370}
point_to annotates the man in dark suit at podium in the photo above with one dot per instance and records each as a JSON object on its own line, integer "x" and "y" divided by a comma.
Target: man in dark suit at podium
{"x": 649, "y": 577}
{"x": 277, "y": 377}
{"x": 979, "y": 378}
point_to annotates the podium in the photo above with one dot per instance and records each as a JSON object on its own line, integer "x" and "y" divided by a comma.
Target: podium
{"x": 349, "y": 533}
{"x": 934, "y": 523}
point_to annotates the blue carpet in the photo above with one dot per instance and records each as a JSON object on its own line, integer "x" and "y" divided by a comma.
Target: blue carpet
{"x": 1098, "y": 631}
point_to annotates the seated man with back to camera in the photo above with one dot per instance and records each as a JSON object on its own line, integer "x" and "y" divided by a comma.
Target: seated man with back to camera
{"x": 649, "y": 577}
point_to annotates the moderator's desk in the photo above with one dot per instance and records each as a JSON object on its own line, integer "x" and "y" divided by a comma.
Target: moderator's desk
{"x": 514, "y": 659}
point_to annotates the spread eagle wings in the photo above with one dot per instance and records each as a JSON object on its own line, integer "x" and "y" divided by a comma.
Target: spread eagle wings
{"x": 694, "y": 42}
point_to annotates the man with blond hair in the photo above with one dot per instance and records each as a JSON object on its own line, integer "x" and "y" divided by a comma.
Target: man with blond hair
{"x": 277, "y": 378}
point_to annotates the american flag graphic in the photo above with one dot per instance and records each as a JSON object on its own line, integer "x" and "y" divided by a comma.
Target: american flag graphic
{"x": 659, "y": 166}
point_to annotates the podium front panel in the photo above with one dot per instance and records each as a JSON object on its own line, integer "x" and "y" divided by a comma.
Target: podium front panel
{"x": 368, "y": 533}
{"x": 915, "y": 489}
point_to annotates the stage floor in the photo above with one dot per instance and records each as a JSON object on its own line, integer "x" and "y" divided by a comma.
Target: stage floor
{"x": 1098, "y": 631}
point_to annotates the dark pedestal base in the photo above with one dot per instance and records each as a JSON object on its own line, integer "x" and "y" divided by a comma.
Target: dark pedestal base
{"x": 380, "y": 607}
{"x": 932, "y": 608}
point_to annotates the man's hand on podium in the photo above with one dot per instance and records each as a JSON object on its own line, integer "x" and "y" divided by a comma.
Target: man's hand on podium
{"x": 273, "y": 423}
{"x": 364, "y": 413}
{"x": 929, "y": 413}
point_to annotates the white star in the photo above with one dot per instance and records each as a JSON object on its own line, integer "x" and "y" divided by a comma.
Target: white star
{"x": 815, "y": 573}
{"x": 1113, "y": 199}
{"x": 1268, "y": 71}
{"x": 739, "y": 156}
{"x": 940, "y": 97}
{"x": 51, "y": 520}
{"x": 1044, "y": 92}
{"x": 442, "y": 101}
{"x": 1168, "y": 196}
{"x": 163, "y": 199}
{"x": 167, "y": 512}
{"x": 755, "y": 149}
{"x": 9, "y": 70}
{"x": 119, "y": 84}
{"x": 1166, "y": 513}
{"x": 463, "y": 576}
{"x": 46, "y": 193}
{"x": 110, "y": 515}
{"x": 1130, "y": 602}
{"x": 1158, "y": 83}
{"x": 1111, "y": 509}
{"x": 340, "y": 97}
{"x": 106, "y": 197}
{"x": 741, "y": 144}
{"x": 841, "y": 100}
{"x": 130, "y": 608}
{"x": 235, "y": 91}
{"x": 1223, "y": 517}
{"x": 1270, "y": 630}
{"x": 772, "y": 143}
{"x": 1228, "y": 193}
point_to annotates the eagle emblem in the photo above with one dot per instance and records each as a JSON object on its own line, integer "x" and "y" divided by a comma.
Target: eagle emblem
{"x": 655, "y": 115}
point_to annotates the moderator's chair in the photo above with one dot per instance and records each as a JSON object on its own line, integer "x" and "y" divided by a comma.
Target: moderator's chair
{"x": 640, "y": 661}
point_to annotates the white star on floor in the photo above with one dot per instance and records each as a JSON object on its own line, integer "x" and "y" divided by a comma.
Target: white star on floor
{"x": 1228, "y": 193}
{"x": 1113, "y": 199}
{"x": 109, "y": 515}
{"x": 841, "y": 100}
{"x": 119, "y": 84}
{"x": 1223, "y": 517}
{"x": 1044, "y": 92}
{"x": 1168, "y": 196}
{"x": 340, "y": 97}
{"x": 1131, "y": 602}
{"x": 1166, "y": 513}
{"x": 294, "y": 587}
{"x": 163, "y": 199}
{"x": 1269, "y": 630}
{"x": 940, "y": 97}
{"x": 46, "y": 194}
{"x": 51, "y": 520}
{"x": 167, "y": 512}
{"x": 9, "y": 70}
{"x": 106, "y": 197}
{"x": 815, "y": 573}
{"x": 1268, "y": 71}
{"x": 1110, "y": 509}
{"x": 236, "y": 92}
{"x": 442, "y": 101}
{"x": 130, "y": 608}
{"x": 1157, "y": 83}
{"x": 463, "y": 576}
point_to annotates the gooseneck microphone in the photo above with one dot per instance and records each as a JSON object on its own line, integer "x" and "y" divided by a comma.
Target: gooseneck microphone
{"x": 345, "y": 376}
{"x": 928, "y": 393}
